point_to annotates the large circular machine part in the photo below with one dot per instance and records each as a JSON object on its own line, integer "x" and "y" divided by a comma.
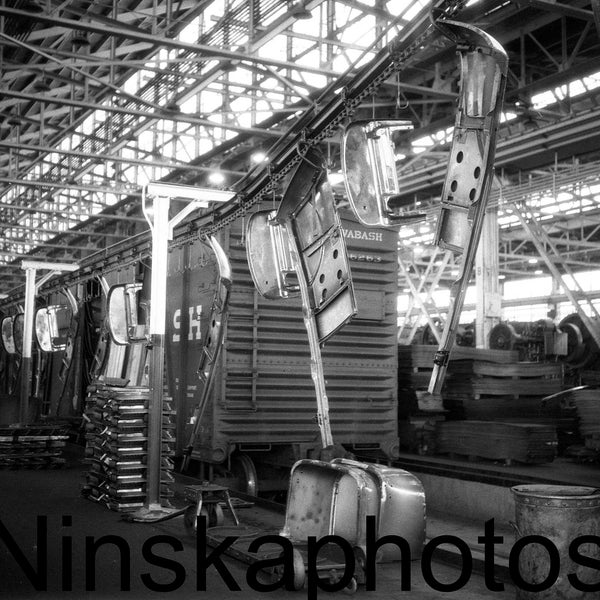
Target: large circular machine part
{"x": 581, "y": 347}
{"x": 503, "y": 337}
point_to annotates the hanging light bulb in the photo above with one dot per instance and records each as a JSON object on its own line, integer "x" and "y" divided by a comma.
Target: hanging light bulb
{"x": 216, "y": 178}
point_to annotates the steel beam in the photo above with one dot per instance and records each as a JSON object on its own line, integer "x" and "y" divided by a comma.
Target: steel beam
{"x": 43, "y": 244}
{"x": 65, "y": 213}
{"x": 161, "y": 41}
{"x": 111, "y": 158}
{"x": 562, "y": 9}
{"x": 117, "y": 190}
{"x": 75, "y": 232}
{"x": 164, "y": 114}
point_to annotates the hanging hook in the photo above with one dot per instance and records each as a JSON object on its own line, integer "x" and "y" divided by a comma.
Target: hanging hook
{"x": 401, "y": 99}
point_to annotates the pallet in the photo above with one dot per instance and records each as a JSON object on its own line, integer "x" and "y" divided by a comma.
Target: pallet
{"x": 518, "y": 370}
{"x": 529, "y": 443}
{"x": 586, "y": 403}
{"x": 32, "y": 447}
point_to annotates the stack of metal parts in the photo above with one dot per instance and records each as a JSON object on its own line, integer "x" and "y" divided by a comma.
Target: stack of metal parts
{"x": 482, "y": 389}
{"x": 117, "y": 443}
{"x": 586, "y": 402}
{"x": 508, "y": 442}
{"x": 32, "y": 447}
{"x": 415, "y": 362}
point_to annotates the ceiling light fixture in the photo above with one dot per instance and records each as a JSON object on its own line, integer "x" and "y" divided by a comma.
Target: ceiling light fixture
{"x": 216, "y": 178}
{"x": 335, "y": 178}
{"x": 258, "y": 157}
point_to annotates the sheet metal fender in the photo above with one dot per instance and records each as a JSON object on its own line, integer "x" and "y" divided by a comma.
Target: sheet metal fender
{"x": 327, "y": 498}
{"x": 269, "y": 259}
{"x": 8, "y": 336}
{"x": 370, "y": 175}
{"x": 402, "y": 507}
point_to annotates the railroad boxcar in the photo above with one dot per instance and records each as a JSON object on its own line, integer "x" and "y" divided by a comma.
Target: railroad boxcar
{"x": 261, "y": 415}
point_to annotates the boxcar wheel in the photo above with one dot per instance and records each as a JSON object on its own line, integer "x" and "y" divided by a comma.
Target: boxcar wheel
{"x": 243, "y": 469}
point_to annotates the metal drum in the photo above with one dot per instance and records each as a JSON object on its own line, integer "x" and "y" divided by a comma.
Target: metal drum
{"x": 560, "y": 514}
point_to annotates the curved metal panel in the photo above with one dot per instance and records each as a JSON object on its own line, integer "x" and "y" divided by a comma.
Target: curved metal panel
{"x": 268, "y": 252}
{"x": 370, "y": 175}
{"x": 8, "y": 339}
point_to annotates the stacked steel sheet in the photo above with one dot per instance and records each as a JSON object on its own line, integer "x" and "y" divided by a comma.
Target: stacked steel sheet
{"x": 477, "y": 389}
{"x": 419, "y": 411}
{"x": 586, "y": 402}
{"x": 117, "y": 446}
{"x": 415, "y": 362}
{"x": 32, "y": 447}
{"x": 508, "y": 442}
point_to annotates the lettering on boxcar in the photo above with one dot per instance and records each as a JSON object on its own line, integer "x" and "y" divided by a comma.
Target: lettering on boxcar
{"x": 369, "y": 236}
{"x": 195, "y": 313}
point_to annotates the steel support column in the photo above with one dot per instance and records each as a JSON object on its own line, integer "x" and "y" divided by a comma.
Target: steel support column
{"x": 162, "y": 231}
{"x": 31, "y": 287}
{"x": 487, "y": 268}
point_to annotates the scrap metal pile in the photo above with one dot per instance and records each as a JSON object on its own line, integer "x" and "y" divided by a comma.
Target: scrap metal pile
{"x": 33, "y": 447}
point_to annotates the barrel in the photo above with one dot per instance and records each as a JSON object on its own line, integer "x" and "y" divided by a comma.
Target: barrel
{"x": 560, "y": 515}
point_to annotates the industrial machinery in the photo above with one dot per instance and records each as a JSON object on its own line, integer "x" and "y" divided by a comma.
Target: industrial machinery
{"x": 569, "y": 341}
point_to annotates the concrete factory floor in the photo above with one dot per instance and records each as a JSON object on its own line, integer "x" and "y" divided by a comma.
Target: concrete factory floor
{"x": 54, "y": 496}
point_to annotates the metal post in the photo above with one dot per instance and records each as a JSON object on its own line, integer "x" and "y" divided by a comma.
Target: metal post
{"x": 487, "y": 266}
{"x": 27, "y": 339}
{"x": 160, "y": 237}
{"x": 30, "y": 267}
{"x": 162, "y": 231}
